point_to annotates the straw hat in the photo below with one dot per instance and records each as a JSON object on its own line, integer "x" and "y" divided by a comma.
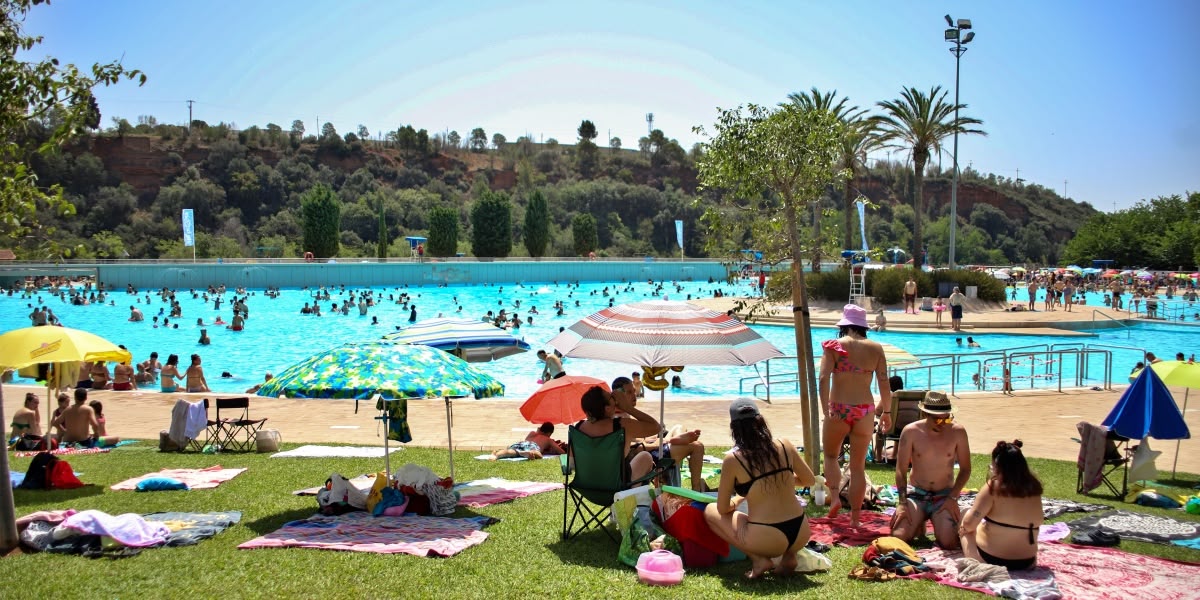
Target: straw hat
{"x": 935, "y": 403}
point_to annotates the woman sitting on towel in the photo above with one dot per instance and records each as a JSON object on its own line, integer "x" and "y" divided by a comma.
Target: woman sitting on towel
{"x": 1001, "y": 528}
{"x": 765, "y": 474}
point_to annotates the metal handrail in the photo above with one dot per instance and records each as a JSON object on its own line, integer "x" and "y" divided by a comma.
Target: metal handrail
{"x": 1060, "y": 356}
{"x": 1128, "y": 331}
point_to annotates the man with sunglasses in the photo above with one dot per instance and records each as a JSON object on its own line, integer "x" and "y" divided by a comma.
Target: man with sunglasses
{"x": 931, "y": 447}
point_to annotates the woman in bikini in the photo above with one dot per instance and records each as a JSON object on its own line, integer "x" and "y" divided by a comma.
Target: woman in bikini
{"x": 764, "y": 473}
{"x": 1001, "y": 528}
{"x": 845, "y": 391}
{"x": 195, "y": 376}
{"x": 170, "y": 372}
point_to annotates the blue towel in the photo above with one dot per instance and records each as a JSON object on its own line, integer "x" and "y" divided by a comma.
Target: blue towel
{"x": 1192, "y": 543}
{"x": 16, "y": 478}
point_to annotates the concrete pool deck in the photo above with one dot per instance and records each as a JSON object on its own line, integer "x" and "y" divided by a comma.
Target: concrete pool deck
{"x": 1044, "y": 419}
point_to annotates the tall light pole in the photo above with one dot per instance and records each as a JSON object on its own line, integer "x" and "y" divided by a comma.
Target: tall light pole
{"x": 954, "y": 36}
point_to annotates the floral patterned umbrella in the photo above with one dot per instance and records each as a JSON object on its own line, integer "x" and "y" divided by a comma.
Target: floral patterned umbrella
{"x": 388, "y": 371}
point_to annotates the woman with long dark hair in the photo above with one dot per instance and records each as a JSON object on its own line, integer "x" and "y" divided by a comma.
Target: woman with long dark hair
{"x": 1001, "y": 528}
{"x": 847, "y": 368}
{"x": 168, "y": 375}
{"x": 764, "y": 473}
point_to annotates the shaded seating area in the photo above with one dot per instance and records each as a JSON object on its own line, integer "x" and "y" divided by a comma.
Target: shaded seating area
{"x": 593, "y": 473}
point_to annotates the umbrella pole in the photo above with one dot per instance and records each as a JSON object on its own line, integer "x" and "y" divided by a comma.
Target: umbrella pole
{"x": 449, "y": 436}
{"x": 8, "y": 515}
{"x": 1176, "y": 463}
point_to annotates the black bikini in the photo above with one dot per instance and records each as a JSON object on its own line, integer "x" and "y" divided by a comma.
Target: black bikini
{"x": 1016, "y": 564}
{"x": 789, "y": 528}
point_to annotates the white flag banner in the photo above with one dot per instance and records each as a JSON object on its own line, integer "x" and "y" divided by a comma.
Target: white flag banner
{"x": 189, "y": 228}
{"x": 679, "y": 232}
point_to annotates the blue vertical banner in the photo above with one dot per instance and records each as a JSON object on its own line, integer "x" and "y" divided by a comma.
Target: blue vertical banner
{"x": 862, "y": 223}
{"x": 679, "y": 234}
{"x": 189, "y": 228}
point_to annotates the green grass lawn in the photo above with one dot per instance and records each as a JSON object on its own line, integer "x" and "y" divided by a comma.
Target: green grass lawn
{"x": 522, "y": 557}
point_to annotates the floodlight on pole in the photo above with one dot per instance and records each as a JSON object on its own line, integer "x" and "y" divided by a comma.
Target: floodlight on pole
{"x": 954, "y": 36}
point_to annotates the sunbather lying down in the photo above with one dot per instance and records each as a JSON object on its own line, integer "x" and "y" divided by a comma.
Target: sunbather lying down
{"x": 535, "y": 445}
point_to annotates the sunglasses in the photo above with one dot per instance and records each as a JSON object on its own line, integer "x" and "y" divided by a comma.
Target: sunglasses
{"x": 944, "y": 420}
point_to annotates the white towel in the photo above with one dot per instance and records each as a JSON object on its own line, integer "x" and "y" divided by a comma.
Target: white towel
{"x": 197, "y": 419}
{"x": 178, "y": 429}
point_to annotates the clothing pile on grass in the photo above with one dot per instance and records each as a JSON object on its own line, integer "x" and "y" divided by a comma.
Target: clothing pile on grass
{"x": 95, "y": 534}
{"x": 412, "y": 489}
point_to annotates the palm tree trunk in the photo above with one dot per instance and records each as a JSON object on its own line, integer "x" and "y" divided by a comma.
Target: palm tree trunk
{"x": 849, "y": 216}
{"x": 919, "y": 209}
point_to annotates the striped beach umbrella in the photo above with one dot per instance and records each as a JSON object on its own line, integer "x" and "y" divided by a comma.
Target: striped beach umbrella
{"x": 662, "y": 333}
{"x": 468, "y": 339}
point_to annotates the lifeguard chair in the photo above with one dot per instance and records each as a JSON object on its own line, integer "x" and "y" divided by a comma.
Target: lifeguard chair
{"x": 858, "y": 273}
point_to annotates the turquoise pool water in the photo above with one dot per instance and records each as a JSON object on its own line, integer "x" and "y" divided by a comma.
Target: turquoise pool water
{"x": 277, "y": 335}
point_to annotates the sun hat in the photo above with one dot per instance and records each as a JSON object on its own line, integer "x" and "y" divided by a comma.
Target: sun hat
{"x": 743, "y": 408}
{"x": 855, "y": 315}
{"x": 935, "y": 403}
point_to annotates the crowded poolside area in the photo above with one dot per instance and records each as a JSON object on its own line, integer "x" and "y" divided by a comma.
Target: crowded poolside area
{"x": 519, "y": 507}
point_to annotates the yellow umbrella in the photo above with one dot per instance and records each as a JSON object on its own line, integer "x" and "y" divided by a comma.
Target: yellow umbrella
{"x": 57, "y": 346}
{"x": 48, "y": 344}
{"x": 1182, "y": 374}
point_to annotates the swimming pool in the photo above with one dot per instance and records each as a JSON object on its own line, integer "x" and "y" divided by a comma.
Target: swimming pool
{"x": 277, "y": 335}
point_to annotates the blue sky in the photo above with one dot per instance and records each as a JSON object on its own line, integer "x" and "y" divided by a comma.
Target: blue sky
{"x": 1101, "y": 95}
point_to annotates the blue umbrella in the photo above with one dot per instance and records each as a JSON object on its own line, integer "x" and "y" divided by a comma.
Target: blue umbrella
{"x": 1147, "y": 408}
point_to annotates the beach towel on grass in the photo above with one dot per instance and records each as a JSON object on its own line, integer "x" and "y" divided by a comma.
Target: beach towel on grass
{"x": 515, "y": 458}
{"x": 1051, "y": 507}
{"x": 196, "y": 479}
{"x": 484, "y": 492}
{"x": 1141, "y": 527}
{"x": 1090, "y": 573}
{"x": 361, "y": 532}
{"x": 838, "y": 530}
{"x": 65, "y": 451}
{"x": 187, "y": 529}
{"x": 312, "y": 451}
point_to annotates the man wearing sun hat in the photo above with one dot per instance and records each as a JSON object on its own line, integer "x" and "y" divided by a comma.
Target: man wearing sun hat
{"x": 931, "y": 447}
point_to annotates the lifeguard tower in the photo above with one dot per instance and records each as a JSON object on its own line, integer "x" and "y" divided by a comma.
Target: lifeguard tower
{"x": 413, "y": 242}
{"x": 858, "y": 275}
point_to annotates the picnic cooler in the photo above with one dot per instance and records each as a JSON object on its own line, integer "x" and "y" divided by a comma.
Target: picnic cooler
{"x": 267, "y": 440}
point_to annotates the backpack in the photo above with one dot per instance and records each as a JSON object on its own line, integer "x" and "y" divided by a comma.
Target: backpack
{"x": 62, "y": 476}
{"x": 37, "y": 477}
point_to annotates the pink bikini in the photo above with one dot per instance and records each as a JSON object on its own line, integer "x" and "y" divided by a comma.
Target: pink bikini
{"x": 850, "y": 413}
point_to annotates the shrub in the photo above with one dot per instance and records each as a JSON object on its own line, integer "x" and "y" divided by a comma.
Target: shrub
{"x": 829, "y": 285}
{"x": 990, "y": 288}
{"x": 887, "y": 285}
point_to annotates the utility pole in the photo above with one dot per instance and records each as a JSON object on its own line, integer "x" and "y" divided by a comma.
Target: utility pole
{"x": 190, "y": 115}
{"x": 1064, "y": 188}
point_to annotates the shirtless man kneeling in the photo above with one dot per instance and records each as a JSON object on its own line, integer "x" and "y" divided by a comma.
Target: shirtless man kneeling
{"x": 79, "y": 422}
{"x": 931, "y": 446}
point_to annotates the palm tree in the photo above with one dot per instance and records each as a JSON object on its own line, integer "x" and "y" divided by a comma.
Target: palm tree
{"x": 859, "y": 139}
{"x": 920, "y": 122}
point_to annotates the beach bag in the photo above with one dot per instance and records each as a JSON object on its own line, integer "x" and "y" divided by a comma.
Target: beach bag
{"x": 267, "y": 440}
{"x": 37, "y": 477}
{"x": 62, "y": 476}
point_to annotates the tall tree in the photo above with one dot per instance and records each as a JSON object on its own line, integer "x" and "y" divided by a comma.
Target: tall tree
{"x": 491, "y": 225}
{"x": 32, "y": 92}
{"x": 537, "y": 225}
{"x": 322, "y": 214}
{"x": 453, "y": 140}
{"x": 774, "y": 164}
{"x": 920, "y": 122}
{"x": 37, "y": 92}
{"x": 443, "y": 231}
{"x": 328, "y": 131}
{"x": 382, "y": 249}
{"x": 587, "y": 130}
{"x": 859, "y": 139}
{"x": 479, "y": 140}
{"x": 498, "y": 140}
{"x": 584, "y": 235}
{"x": 615, "y": 144}
{"x": 297, "y": 131}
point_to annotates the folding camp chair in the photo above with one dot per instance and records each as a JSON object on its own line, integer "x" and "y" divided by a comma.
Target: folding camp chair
{"x": 1103, "y": 456}
{"x": 592, "y": 473}
{"x": 237, "y": 433}
{"x": 905, "y": 411}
